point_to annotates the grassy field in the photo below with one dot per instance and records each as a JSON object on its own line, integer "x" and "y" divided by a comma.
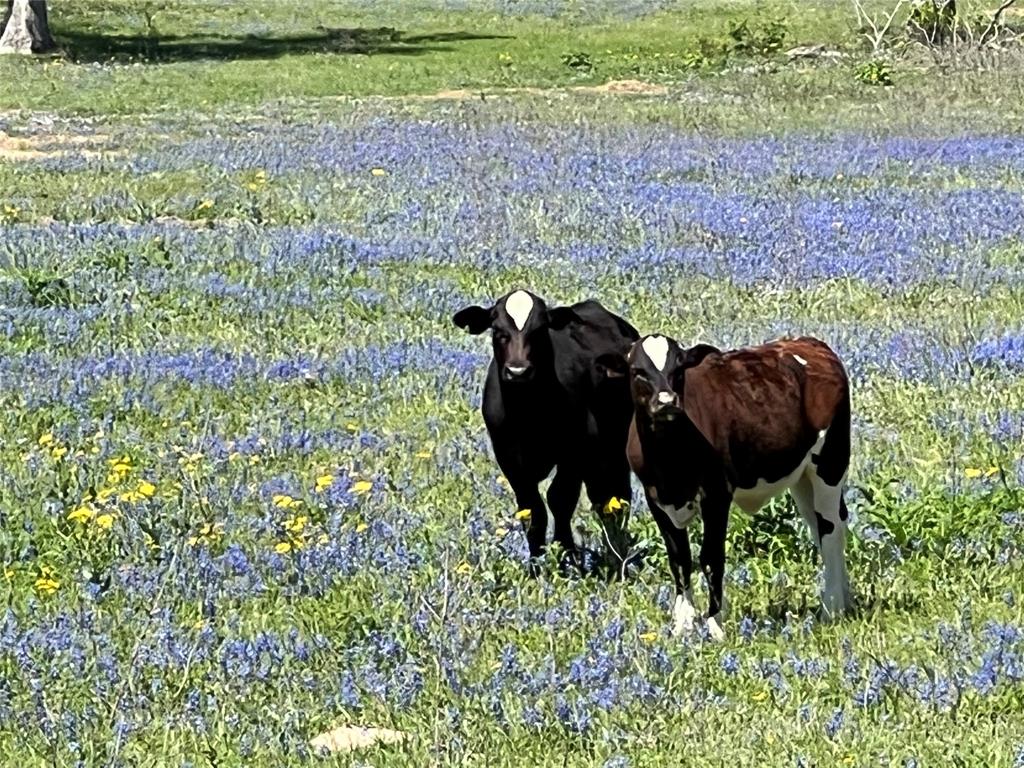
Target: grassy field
{"x": 246, "y": 493}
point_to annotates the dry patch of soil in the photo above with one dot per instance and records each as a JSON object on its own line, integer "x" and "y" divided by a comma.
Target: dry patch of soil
{"x": 351, "y": 738}
{"x": 617, "y": 87}
{"x": 20, "y": 148}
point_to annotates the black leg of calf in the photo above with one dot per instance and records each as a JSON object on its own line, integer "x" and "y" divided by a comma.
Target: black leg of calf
{"x": 712, "y": 564}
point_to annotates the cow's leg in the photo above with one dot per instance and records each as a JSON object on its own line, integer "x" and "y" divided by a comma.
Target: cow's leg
{"x": 828, "y": 479}
{"x": 563, "y": 495}
{"x": 803, "y": 494}
{"x": 712, "y": 560}
{"x": 831, "y": 518}
{"x": 680, "y": 562}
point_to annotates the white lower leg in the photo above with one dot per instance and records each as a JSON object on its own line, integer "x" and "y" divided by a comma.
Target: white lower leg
{"x": 683, "y": 613}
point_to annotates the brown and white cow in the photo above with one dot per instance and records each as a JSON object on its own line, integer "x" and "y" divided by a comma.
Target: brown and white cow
{"x": 711, "y": 428}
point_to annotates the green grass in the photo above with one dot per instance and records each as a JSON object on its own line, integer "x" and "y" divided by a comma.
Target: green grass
{"x": 132, "y": 279}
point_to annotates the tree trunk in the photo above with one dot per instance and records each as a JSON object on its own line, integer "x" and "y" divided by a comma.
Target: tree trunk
{"x": 25, "y": 28}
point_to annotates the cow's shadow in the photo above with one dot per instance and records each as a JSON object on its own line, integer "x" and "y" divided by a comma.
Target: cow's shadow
{"x": 90, "y": 46}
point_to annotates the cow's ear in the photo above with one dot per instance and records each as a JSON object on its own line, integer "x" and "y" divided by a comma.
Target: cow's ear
{"x": 696, "y": 354}
{"x": 559, "y": 317}
{"x": 613, "y": 365}
{"x": 474, "y": 319}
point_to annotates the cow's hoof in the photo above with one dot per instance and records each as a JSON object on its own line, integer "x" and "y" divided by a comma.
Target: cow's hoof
{"x": 715, "y": 632}
{"x": 683, "y": 615}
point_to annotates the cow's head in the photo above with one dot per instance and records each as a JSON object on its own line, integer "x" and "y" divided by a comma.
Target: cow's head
{"x": 656, "y": 366}
{"x": 519, "y": 323}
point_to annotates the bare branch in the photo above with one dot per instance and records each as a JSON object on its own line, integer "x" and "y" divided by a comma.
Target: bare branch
{"x": 994, "y": 23}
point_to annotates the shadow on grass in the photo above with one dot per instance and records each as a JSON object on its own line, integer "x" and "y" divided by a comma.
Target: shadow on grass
{"x": 87, "y": 46}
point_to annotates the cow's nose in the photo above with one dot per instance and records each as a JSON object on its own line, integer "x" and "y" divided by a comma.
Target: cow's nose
{"x": 665, "y": 403}
{"x": 518, "y": 371}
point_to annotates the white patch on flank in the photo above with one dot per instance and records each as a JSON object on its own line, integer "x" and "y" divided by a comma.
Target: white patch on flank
{"x": 752, "y": 499}
{"x": 519, "y": 305}
{"x": 665, "y": 397}
{"x": 656, "y": 348}
{"x": 799, "y": 359}
{"x": 683, "y": 614}
{"x": 684, "y": 515}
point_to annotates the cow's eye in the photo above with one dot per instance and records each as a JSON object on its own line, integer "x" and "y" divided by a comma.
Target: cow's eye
{"x": 501, "y": 337}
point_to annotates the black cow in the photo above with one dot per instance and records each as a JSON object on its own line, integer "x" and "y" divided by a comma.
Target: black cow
{"x": 711, "y": 427}
{"x": 548, "y": 408}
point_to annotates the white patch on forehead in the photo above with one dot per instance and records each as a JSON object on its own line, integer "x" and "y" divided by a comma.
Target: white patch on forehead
{"x": 799, "y": 359}
{"x": 665, "y": 397}
{"x": 656, "y": 348}
{"x": 519, "y": 305}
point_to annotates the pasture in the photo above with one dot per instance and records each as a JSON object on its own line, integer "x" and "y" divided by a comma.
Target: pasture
{"x": 246, "y": 492}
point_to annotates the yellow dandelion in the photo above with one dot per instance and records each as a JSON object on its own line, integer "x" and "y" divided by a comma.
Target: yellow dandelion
{"x": 972, "y": 472}
{"x": 378, "y": 172}
{"x": 47, "y": 585}
{"x": 284, "y": 501}
{"x": 82, "y": 514}
{"x": 234, "y": 456}
{"x": 523, "y": 514}
{"x": 362, "y": 527}
{"x": 46, "y": 440}
{"x": 991, "y": 471}
{"x": 254, "y": 459}
{"x": 352, "y": 427}
{"x": 760, "y": 696}
{"x": 130, "y": 497}
{"x": 104, "y": 494}
{"x": 423, "y": 455}
{"x": 59, "y": 452}
{"x": 464, "y": 568}
{"x": 363, "y": 486}
{"x": 105, "y": 521}
{"x": 649, "y": 637}
{"x": 146, "y": 488}
{"x": 500, "y": 531}
{"x": 324, "y": 482}
{"x": 614, "y": 505}
{"x": 295, "y": 524}
{"x": 283, "y": 547}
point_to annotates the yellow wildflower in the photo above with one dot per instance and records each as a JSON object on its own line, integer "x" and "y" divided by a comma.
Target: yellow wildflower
{"x": 324, "y": 538}
{"x": 254, "y": 459}
{"x": 130, "y": 497}
{"x": 363, "y": 486}
{"x": 82, "y": 514}
{"x": 324, "y": 482}
{"x": 991, "y": 471}
{"x": 361, "y": 527}
{"x": 500, "y": 531}
{"x": 59, "y": 452}
{"x": 614, "y": 505}
{"x": 464, "y": 568}
{"x": 104, "y": 494}
{"x": 972, "y": 472}
{"x": 760, "y": 696}
{"x": 46, "y": 584}
{"x": 295, "y": 524}
{"x": 105, "y": 521}
{"x": 204, "y": 205}
{"x": 523, "y": 514}
{"x": 649, "y": 637}
{"x": 423, "y": 455}
{"x": 146, "y": 488}
{"x": 284, "y": 501}
{"x": 283, "y": 547}
{"x": 352, "y": 427}
{"x": 378, "y": 172}
{"x": 47, "y": 439}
